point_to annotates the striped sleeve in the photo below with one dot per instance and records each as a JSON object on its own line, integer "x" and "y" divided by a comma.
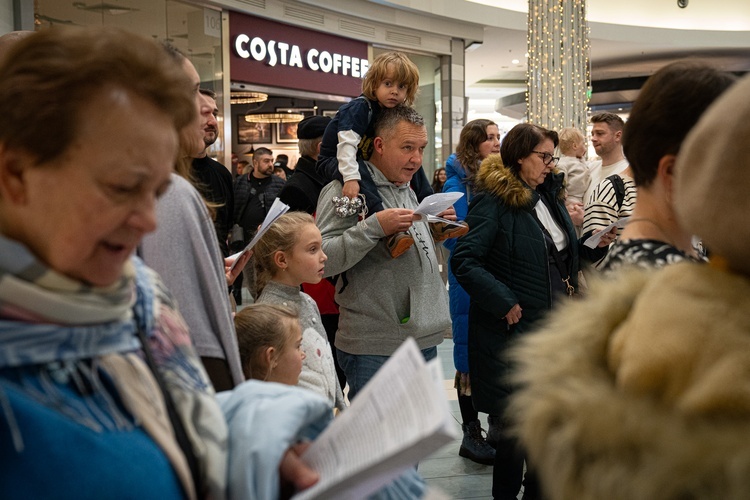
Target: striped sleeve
{"x": 601, "y": 209}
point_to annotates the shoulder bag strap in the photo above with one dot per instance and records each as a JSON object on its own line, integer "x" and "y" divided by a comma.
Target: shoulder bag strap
{"x": 556, "y": 257}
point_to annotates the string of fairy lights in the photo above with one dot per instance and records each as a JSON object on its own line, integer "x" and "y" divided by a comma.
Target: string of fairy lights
{"x": 558, "y": 75}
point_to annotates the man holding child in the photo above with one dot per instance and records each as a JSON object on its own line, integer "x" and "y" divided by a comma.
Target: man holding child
{"x": 384, "y": 300}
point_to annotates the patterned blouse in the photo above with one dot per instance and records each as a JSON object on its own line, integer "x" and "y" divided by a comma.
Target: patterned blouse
{"x": 643, "y": 253}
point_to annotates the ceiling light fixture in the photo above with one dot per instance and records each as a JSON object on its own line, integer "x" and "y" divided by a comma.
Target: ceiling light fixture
{"x": 274, "y": 117}
{"x": 247, "y": 97}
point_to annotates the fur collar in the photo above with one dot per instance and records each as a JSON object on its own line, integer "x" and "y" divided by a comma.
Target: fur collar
{"x": 494, "y": 178}
{"x": 642, "y": 390}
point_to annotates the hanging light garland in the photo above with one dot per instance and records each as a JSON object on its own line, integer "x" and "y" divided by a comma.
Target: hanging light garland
{"x": 558, "y": 75}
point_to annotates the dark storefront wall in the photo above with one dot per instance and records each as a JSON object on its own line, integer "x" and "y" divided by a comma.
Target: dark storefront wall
{"x": 300, "y": 69}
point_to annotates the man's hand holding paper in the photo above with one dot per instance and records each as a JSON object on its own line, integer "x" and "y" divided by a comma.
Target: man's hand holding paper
{"x": 438, "y": 207}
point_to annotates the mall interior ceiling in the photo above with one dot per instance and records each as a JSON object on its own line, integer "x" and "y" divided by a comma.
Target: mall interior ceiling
{"x": 629, "y": 41}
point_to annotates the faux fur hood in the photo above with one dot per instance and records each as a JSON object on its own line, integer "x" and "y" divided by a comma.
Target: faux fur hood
{"x": 642, "y": 390}
{"x": 494, "y": 178}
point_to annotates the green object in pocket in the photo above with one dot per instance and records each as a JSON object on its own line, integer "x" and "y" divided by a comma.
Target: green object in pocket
{"x": 405, "y": 320}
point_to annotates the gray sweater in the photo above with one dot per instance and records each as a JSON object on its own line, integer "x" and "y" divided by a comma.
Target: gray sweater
{"x": 185, "y": 253}
{"x": 385, "y": 300}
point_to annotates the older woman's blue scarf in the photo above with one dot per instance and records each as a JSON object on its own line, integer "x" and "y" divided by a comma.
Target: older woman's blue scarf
{"x": 53, "y": 329}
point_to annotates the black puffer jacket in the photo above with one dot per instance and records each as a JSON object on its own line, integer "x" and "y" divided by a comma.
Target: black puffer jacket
{"x": 301, "y": 191}
{"x": 503, "y": 261}
{"x": 243, "y": 195}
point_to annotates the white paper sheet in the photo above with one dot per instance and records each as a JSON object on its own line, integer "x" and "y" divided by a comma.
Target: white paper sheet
{"x": 278, "y": 208}
{"x": 400, "y": 417}
{"x": 595, "y": 238}
{"x": 436, "y": 203}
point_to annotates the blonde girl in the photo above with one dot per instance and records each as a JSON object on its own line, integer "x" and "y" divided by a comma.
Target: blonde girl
{"x": 288, "y": 254}
{"x": 269, "y": 339}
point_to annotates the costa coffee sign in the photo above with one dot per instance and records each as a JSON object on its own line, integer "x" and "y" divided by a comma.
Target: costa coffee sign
{"x": 269, "y": 53}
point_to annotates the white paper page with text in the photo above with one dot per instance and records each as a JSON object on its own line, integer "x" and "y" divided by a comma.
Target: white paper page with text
{"x": 278, "y": 208}
{"x": 400, "y": 417}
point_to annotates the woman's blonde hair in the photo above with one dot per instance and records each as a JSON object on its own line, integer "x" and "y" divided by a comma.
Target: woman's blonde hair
{"x": 260, "y": 326}
{"x": 282, "y": 235}
{"x": 403, "y": 70}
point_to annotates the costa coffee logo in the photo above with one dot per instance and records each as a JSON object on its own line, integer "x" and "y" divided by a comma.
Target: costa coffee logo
{"x": 274, "y": 52}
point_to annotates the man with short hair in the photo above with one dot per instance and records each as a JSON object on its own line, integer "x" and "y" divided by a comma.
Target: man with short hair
{"x": 606, "y": 137}
{"x": 253, "y": 196}
{"x": 383, "y": 300}
{"x": 214, "y": 180}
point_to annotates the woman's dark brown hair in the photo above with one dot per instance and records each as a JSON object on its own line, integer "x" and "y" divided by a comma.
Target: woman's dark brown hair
{"x": 521, "y": 141}
{"x": 668, "y": 106}
{"x": 472, "y": 136}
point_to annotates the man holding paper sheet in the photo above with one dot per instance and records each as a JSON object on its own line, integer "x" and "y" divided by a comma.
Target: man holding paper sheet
{"x": 384, "y": 300}
{"x": 253, "y": 197}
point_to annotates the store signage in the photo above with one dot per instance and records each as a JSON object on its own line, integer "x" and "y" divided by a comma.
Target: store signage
{"x": 270, "y": 53}
{"x": 273, "y": 53}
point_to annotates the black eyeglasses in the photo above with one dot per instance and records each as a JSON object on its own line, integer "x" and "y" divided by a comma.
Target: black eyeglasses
{"x": 547, "y": 158}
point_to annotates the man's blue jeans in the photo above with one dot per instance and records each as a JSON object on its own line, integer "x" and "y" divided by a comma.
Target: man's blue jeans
{"x": 360, "y": 368}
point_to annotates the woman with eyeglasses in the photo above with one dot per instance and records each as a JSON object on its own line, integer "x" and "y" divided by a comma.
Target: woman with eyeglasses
{"x": 520, "y": 256}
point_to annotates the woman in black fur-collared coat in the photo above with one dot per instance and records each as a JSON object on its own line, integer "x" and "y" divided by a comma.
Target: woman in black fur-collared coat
{"x": 508, "y": 265}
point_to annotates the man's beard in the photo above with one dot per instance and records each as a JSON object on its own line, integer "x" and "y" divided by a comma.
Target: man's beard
{"x": 210, "y": 137}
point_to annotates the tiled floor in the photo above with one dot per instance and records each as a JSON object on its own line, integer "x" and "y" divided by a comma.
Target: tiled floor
{"x": 457, "y": 477}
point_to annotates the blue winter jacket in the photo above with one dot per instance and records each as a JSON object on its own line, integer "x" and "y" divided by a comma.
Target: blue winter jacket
{"x": 459, "y": 299}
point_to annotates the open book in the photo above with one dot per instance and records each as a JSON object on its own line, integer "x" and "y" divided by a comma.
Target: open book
{"x": 400, "y": 417}
{"x": 278, "y": 209}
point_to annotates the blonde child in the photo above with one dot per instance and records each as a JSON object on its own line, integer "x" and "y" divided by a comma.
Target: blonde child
{"x": 269, "y": 339}
{"x": 392, "y": 80}
{"x": 288, "y": 254}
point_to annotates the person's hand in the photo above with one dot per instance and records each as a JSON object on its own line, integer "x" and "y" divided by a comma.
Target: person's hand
{"x": 294, "y": 474}
{"x": 575, "y": 210}
{"x": 351, "y": 189}
{"x": 448, "y": 214}
{"x": 607, "y": 238}
{"x": 232, "y": 274}
{"x": 514, "y": 315}
{"x": 395, "y": 220}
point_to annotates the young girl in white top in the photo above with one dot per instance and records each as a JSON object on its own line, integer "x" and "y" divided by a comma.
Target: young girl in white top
{"x": 269, "y": 338}
{"x": 288, "y": 254}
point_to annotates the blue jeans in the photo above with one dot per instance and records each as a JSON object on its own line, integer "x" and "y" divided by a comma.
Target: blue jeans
{"x": 360, "y": 368}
